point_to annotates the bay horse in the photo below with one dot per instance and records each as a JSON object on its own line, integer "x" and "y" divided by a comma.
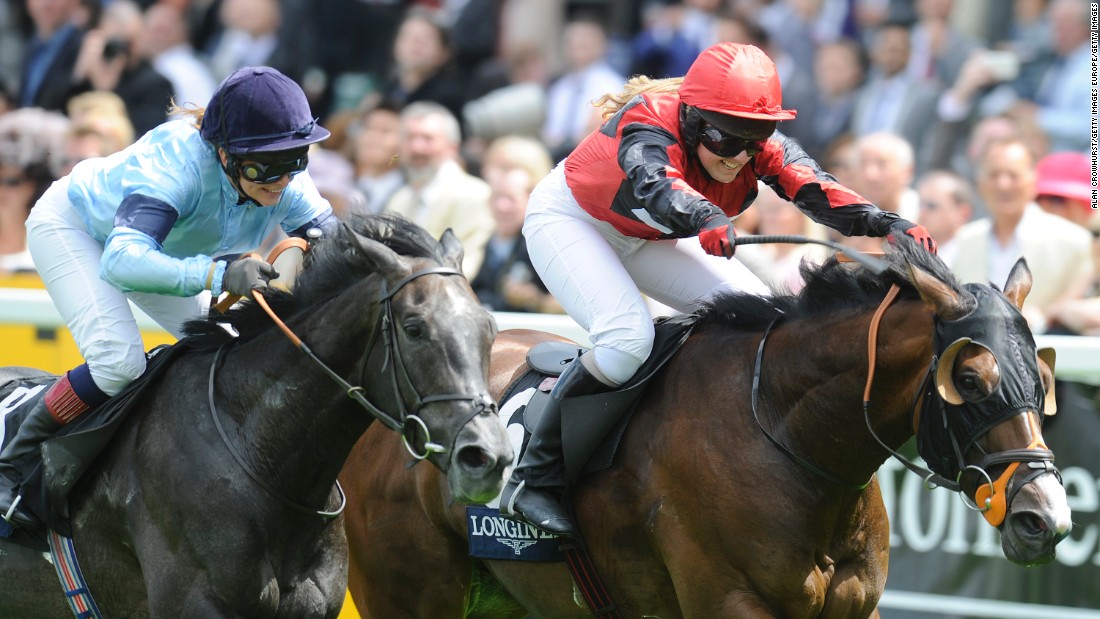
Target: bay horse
{"x": 218, "y": 497}
{"x": 701, "y": 515}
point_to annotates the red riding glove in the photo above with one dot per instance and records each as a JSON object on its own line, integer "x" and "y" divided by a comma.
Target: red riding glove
{"x": 718, "y": 237}
{"x": 916, "y": 231}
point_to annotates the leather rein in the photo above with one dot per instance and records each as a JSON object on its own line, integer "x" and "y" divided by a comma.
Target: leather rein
{"x": 407, "y": 422}
{"x": 994, "y": 495}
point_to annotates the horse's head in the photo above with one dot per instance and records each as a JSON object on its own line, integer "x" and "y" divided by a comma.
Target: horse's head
{"x": 981, "y": 421}
{"x": 432, "y": 340}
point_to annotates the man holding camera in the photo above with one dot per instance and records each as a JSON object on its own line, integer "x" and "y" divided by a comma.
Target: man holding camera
{"x": 110, "y": 60}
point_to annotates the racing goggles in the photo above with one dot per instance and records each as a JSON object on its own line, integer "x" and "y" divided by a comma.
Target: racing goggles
{"x": 725, "y": 145}
{"x": 264, "y": 172}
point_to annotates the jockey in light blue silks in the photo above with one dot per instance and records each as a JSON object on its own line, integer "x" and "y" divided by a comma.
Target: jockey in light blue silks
{"x": 159, "y": 224}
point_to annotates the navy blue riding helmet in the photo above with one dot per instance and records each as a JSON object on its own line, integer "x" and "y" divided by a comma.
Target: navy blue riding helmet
{"x": 261, "y": 115}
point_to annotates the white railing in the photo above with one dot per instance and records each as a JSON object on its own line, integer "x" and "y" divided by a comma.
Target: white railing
{"x": 1078, "y": 357}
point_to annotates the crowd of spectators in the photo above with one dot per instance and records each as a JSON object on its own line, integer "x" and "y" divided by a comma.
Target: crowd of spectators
{"x": 971, "y": 118}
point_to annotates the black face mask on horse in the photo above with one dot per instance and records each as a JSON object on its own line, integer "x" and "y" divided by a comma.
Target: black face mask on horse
{"x": 952, "y": 422}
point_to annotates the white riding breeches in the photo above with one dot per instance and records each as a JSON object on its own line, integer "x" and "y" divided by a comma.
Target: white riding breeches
{"x": 599, "y": 275}
{"x": 97, "y": 314}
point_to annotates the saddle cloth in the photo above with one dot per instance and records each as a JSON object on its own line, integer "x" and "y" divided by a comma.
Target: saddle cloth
{"x": 492, "y": 536}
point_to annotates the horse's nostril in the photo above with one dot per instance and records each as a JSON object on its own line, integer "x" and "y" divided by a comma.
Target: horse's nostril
{"x": 474, "y": 458}
{"x": 1031, "y": 524}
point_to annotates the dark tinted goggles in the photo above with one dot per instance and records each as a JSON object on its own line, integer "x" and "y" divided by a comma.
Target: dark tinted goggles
{"x": 725, "y": 145}
{"x": 262, "y": 173}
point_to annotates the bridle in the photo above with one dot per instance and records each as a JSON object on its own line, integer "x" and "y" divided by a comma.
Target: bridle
{"x": 407, "y": 421}
{"x": 992, "y": 496}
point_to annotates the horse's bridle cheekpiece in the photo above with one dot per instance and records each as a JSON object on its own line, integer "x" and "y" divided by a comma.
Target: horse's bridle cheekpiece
{"x": 406, "y": 422}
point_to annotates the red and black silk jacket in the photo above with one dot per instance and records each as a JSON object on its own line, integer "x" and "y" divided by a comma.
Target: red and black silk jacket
{"x": 634, "y": 174}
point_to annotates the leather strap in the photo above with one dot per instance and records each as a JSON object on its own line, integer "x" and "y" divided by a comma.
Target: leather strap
{"x": 589, "y": 582}
{"x": 229, "y": 300}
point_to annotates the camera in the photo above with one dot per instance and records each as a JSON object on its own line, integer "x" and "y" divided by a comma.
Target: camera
{"x": 115, "y": 47}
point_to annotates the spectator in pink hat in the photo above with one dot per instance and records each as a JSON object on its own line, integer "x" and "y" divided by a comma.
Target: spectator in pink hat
{"x": 1064, "y": 186}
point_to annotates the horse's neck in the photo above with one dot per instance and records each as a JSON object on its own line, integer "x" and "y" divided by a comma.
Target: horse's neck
{"x": 298, "y": 424}
{"x": 824, "y": 414}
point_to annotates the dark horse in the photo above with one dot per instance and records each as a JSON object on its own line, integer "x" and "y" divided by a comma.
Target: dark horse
{"x": 701, "y": 515}
{"x": 227, "y": 507}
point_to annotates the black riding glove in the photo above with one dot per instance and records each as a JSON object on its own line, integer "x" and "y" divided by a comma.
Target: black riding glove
{"x": 244, "y": 274}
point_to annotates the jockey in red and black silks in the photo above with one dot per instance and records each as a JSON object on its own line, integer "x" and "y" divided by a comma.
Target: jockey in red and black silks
{"x": 617, "y": 221}
{"x": 644, "y": 140}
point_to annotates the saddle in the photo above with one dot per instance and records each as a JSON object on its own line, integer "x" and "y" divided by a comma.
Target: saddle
{"x": 588, "y": 448}
{"x": 50, "y": 476}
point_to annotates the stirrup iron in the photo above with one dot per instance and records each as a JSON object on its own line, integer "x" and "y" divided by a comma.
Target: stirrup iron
{"x": 512, "y": 499}
{"x": 11, "y": 510}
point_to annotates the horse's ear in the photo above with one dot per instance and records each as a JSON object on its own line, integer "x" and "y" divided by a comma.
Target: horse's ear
{"x": 937, "y": 295}
{"x": 384, "y": 259}
{"x": 452, "y": 248}
{"x": 1019, "y": 283}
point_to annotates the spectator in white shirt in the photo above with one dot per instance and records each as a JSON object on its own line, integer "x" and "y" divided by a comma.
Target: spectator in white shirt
{"x": 570, "y": 114}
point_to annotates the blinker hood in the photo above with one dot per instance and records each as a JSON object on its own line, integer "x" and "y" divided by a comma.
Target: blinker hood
{"x": 947, "y": 422}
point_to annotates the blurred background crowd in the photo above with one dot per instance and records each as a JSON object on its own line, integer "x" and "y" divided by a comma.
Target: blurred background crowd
{"x": 969, "y": 117}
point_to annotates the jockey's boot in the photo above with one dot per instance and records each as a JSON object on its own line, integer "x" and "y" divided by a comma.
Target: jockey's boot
{"x": 58, "y": 406}
{"x": 534, "y": 492}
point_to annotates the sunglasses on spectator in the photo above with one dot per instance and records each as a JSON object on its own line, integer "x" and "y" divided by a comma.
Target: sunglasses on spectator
{"x": 264, "y": 173}
{"x": 12, "y": 181}
{"x": 725, "y": 145}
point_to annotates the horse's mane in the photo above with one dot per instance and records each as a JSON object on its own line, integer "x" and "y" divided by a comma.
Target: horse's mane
{"x": 331, "y": 267}
{"x": 830, "y": 287}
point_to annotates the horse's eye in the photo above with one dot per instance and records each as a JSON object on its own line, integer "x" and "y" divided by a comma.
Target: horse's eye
{"x": 971, "y": 387}
{"x": 413, "y": 330}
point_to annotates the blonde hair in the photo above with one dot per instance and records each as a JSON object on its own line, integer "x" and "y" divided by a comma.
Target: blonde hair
{"x": 106, "y": 113}
{"x": 517, "y": 152}
{"x": 102, "y": 101}
{"x": 192, "y": 113}
{"x": 610, "y": 103}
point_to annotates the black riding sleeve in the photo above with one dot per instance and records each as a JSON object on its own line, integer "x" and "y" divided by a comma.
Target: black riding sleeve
{"x": 657, "y": 185}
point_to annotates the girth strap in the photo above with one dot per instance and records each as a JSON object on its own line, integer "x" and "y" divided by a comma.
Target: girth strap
{"x": 588, "y": 581}
{"x": 72, "y": 578}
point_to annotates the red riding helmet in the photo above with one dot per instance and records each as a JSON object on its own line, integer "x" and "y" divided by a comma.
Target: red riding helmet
{"x": 735, "y": 88}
